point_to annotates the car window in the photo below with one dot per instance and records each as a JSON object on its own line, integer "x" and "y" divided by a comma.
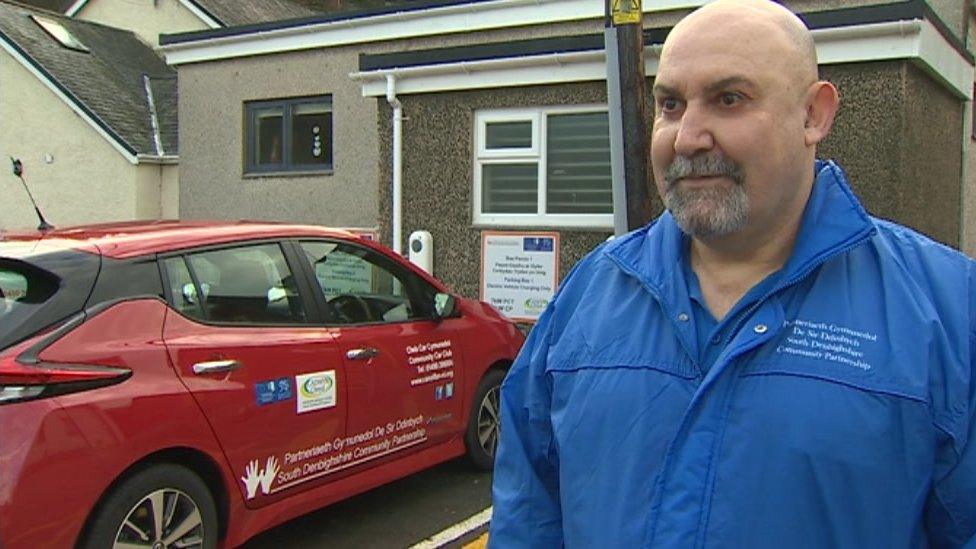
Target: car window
{"x": 22, "y": 289}
{"x": 24, "y": 292}
{"x": 360, "y": 285}
{"x": 181, "y": 287}
{"x": 245, "y": 285}
{"x": 38, "y": 291}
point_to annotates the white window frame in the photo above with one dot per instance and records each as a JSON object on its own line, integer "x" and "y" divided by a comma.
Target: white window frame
{"x": 537, "y": 154}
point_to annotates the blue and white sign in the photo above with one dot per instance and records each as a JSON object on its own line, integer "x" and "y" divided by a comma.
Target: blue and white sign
{"x": 519, "y": 272}
{"x": 274, "y": 390}
{"x": 538, "y": 244}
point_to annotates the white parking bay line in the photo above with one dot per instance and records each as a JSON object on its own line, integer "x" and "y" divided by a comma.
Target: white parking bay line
{"x": 456, "y": 532}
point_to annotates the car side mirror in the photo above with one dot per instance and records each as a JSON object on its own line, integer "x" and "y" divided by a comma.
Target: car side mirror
{"x": 445, "y": 306}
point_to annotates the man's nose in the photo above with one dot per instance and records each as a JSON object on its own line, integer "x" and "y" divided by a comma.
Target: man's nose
{"x": 694, "y": 133}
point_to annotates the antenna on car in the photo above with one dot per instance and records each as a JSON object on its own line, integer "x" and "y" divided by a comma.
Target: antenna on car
{"x": 18, "y": 168}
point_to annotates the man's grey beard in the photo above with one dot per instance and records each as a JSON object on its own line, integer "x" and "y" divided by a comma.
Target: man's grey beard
{"x": 706, "y": 212}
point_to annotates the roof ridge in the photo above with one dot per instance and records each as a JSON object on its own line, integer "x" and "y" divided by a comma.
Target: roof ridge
{"x": 70, "y": 20}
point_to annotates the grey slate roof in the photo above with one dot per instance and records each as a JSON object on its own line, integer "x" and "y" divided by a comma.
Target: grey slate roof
{"x": 59, "y": 6}
{"x": 248, "y": 12}
{"x": 108, "y": 82}
{"x": 245, "y": 12}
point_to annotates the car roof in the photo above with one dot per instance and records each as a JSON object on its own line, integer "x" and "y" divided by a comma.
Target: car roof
{"x": 137, "y": 238}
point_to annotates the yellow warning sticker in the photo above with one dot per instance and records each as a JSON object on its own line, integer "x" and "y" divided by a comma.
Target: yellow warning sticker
{"x": 625, "y": 12}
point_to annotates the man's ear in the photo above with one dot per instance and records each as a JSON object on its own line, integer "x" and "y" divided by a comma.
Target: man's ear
{"x": 822, "y": 102}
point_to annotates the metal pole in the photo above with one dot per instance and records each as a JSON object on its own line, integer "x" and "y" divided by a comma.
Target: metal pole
{"x": 628, "y": 114}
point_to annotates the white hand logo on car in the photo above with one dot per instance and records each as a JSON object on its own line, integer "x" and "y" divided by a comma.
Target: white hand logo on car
{"x": 253, "y": 477}
{"x": 269, "y": 472}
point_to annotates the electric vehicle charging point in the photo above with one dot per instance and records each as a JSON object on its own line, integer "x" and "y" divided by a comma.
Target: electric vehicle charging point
{"x": 421, "y": 250}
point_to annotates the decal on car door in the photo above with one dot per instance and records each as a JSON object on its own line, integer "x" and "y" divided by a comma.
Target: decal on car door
{"x": 434, "y": 361}
{"x": 316, "y": 391}
{"x": 332, "y": 456}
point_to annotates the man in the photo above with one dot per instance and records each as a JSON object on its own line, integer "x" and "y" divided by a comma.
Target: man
{"x": 765, "y": 365}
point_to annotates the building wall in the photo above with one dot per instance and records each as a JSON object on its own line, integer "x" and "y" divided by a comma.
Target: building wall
{"x": 146, "y": 18}
{"x": 170, "y": 194}
{"x": 870, "y": 144}
{"x": 899, "y": 150}
{"x": 898, "y": 135}
{"x": 211, "y": 113}
{"x": 156, "y": 191}
{"x": 932, "y": 158}
{"x": 87, "y": 181}
{"x": 438, "y": 175}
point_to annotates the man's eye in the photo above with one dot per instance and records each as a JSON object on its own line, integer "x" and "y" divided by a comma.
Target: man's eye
{"x": 730, "y": 98}
{"x": 668, "y": 104}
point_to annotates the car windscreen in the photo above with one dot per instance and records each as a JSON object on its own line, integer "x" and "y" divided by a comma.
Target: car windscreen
{"x": 38, "y": 292}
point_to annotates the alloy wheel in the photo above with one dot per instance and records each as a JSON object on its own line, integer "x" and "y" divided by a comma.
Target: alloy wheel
{"x": 489, "y": 423}
{"x": 163, "y": 519}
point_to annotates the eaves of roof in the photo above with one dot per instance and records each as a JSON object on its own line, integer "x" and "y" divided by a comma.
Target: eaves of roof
{"x": 345, "y": 16}
{"x": 837, "y": 18}
{"x": 907, "y": 31}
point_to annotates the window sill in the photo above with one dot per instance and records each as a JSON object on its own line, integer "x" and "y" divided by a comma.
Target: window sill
{"x": 282, "y": 174}
{"x": 601, "y": 222}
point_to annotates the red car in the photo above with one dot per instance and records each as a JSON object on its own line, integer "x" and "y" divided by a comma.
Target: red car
{"x": 192, "y": 384}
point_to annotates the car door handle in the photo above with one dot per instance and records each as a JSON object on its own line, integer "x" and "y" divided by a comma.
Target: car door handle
{"x": 215, "y": 366}
{"x": 361, "y": 354}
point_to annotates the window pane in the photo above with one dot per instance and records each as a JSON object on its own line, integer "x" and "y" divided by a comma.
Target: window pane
{"x": 13, "y": 286}
{"x": 23, "y": 291}
{"x": 355, "y": 287}
{"x": 509, "y": 188}
{"x": 311, "y": 139}
{"x": 268, "y": 134}
{"x": 508, "y": 135}
{"x": 578, "y": 164}
{"x": 186, "y": 298}
{"x": 250, "y": 285}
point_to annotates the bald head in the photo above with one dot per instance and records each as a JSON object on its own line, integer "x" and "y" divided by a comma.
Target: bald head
{"x": 765, "y": 30}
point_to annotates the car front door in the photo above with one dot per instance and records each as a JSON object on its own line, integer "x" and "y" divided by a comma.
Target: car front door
{"x": 269, "y": 378}
{"x": 404, "y": 367}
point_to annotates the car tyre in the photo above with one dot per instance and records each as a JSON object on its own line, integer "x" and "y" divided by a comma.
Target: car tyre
{"x": 484, "y": 421}
{"x": 163, "y": 504}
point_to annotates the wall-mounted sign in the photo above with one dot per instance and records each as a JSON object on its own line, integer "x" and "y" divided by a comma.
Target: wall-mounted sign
{"x": 366, "y": 234}
{"x": 519, "y": 272}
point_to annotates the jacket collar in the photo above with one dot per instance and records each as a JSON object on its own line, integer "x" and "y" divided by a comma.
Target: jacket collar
{"x": 833, "y": 221}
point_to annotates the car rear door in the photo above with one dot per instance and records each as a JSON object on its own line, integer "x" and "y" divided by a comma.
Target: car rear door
{"x": 404, "y": 367}
{"x": 269, "y": 378}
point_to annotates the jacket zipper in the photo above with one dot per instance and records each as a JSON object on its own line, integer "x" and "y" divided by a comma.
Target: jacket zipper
{"x": 856, "y": 241}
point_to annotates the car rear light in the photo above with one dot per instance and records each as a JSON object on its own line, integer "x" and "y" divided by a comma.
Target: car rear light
{"x": 20, "y": 382}
{"x": 24, "y": 376}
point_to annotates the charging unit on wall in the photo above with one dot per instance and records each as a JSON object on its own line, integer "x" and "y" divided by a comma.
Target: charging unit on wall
{"x": 420, "y": 250}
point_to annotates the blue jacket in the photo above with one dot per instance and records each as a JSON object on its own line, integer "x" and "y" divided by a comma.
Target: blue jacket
{"x": 839, "y": 414}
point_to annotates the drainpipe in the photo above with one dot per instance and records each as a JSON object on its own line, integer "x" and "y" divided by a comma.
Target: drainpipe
{"x": 391, "y": 98}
